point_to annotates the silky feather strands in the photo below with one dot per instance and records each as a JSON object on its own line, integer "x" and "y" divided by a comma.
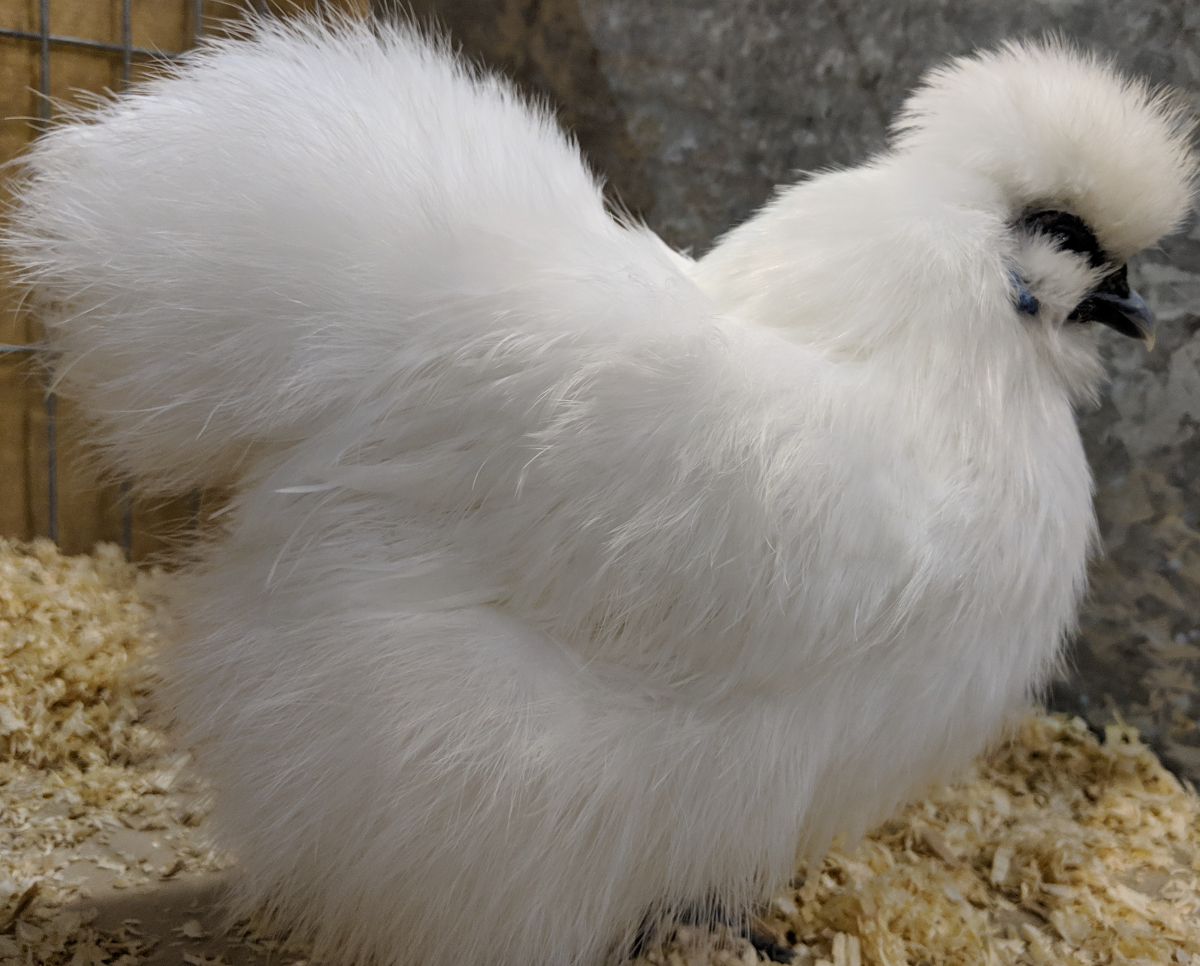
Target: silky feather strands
{"x": 553, "y": 550}
{"x": 189, "y": 360}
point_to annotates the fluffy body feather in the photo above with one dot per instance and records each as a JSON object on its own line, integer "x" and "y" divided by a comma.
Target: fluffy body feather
{"x": 570, "y": 583}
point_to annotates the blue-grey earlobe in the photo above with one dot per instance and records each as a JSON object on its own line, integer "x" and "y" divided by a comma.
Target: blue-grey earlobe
{"x": 1023, "y": 299}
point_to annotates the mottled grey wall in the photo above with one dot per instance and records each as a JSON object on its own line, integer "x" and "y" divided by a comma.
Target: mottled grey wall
{"x": 726, "y": 98}
{"x": 697, "y": 108}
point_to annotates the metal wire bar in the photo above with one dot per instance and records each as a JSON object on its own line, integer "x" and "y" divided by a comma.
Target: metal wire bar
{"x": 125, "y": 502}
{"x": 126, "y": 40}
{"x": 44, "y": 60}
{"x": 59, "y": 40}
{"x": 52, "y": 466}
{"x": 194, "y": 497}
{"x": 51, "y": 399}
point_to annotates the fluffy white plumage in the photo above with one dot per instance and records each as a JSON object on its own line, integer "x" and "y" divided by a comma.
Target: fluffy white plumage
{"x": 571, "y": 583}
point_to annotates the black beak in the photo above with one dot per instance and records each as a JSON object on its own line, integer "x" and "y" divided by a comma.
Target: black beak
{"x": 1116, "y": 305}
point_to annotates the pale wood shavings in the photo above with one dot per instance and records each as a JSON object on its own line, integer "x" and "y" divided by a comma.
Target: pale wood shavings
{"x": 79, "y": 765}
{"x": 72, "y": 630}
{"x": 1056, "y": 849}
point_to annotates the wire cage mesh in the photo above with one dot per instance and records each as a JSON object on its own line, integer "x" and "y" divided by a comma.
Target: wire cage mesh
{"x": 46, "y": 42}
{"x": 53, "y": 50}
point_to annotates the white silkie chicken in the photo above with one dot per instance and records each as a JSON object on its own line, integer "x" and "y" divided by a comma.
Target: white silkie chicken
{"x": 570, "y": 584}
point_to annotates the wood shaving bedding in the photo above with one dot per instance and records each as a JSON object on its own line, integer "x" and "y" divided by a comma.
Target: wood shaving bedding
{"x": 1054, "y": 849}
{"x": 92, "y": 802}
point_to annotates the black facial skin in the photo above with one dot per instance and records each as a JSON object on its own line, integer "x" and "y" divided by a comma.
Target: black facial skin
{"x": 1070, "y": 232}
{"x": 1111, "y": 303}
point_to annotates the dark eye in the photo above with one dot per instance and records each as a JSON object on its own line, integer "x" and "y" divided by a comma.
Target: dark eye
{"x": 1070, "y": 232}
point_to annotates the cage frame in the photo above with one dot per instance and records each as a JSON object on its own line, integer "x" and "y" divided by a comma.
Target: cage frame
{"x": 46, "y": 42}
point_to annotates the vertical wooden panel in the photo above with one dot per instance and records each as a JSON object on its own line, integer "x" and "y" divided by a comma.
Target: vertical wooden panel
{"x": 162, "y": 26}
{"x": 20, "y": 395}
{"x": 19, "y": 398}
